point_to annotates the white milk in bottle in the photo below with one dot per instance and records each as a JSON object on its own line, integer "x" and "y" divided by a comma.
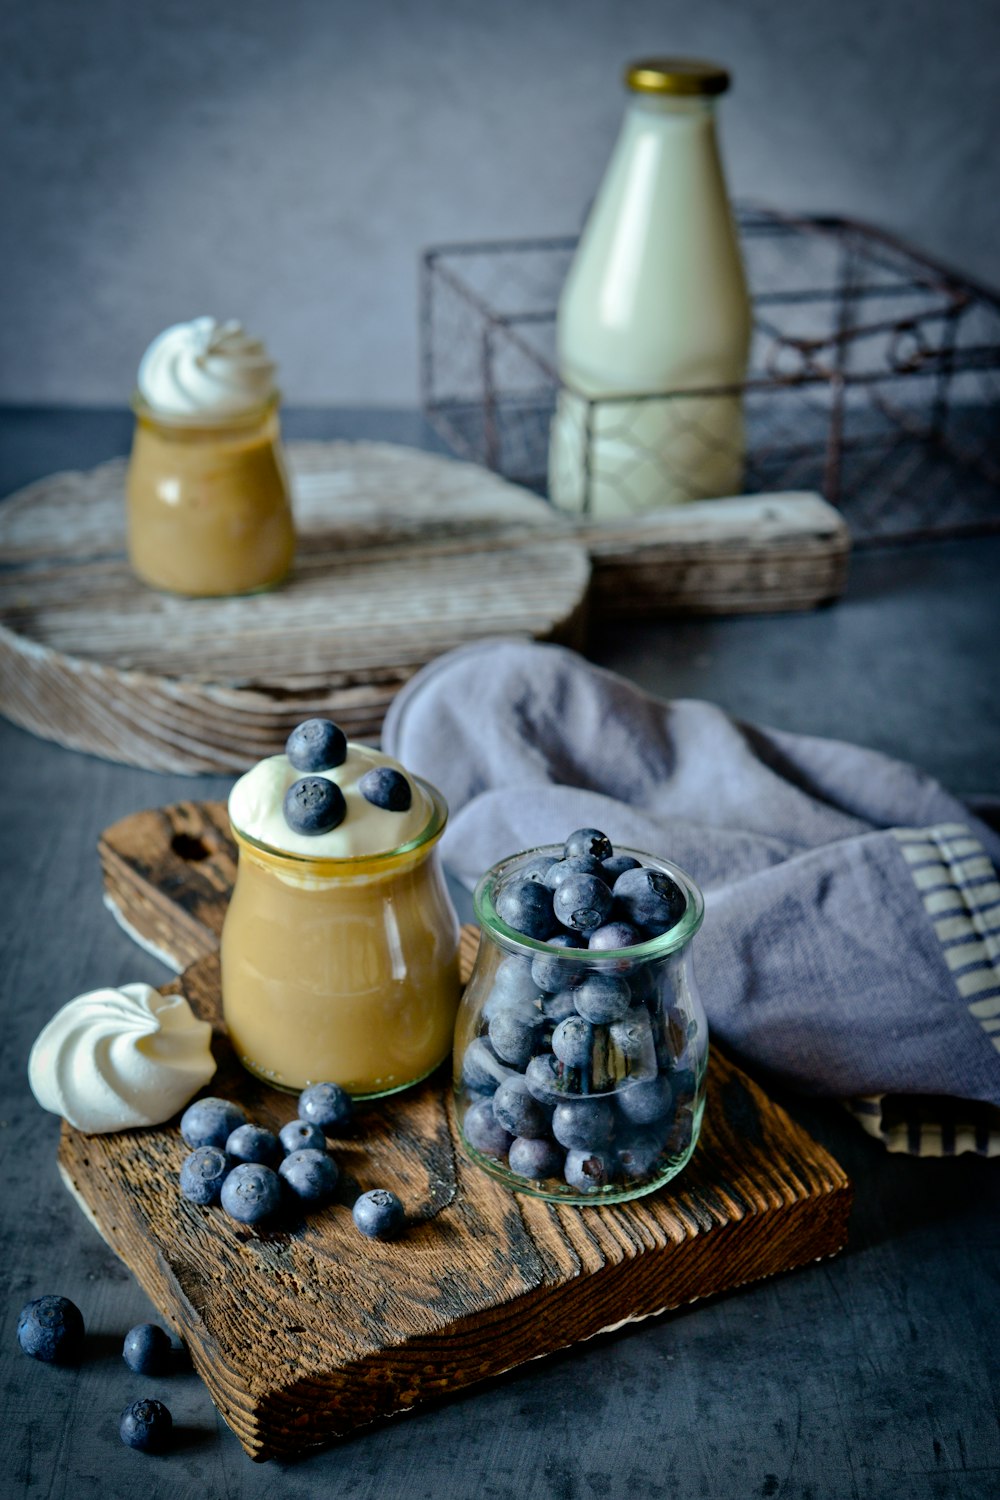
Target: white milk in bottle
{"x": 655, "y": 302}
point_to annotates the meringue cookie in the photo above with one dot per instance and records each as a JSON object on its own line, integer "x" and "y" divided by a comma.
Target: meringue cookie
{"x": 114, "y": 1059}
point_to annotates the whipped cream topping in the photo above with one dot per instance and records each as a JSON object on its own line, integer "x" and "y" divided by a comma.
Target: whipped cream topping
{"x": 206, "y": 369}
{"x": 255, "y": 808}
{"x": 114, "y": 1059}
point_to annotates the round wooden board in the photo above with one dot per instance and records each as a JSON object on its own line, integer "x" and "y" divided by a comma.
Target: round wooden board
{"x": 402, "y": 555}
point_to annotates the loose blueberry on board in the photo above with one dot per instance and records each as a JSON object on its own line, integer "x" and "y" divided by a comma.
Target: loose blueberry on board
{"x": 378, "y": 1214}
{"x": 527, "y": 907}
{"x": 211, "y": 1121}
{"x": 251, "y": 1193}
{"x": 615, "y": 935}
{"x": 482, "y": 1070}
{"x": 588, "y": 1171}
{"x": 146, "y": 1349}
{"x": 326, "y": 1105}
{"x": 51, "y": 1329}
{"x": 646, "y": 1101}
{"x": 536, "y": 868}
{"x": 316, "y": 745}
{"x": 385, "y": 787}
{"x": 311, "y": 1175}
{"x": 301, "y": 1135}
{"x": 536, "y": 1158}
{"x": 517, "y": 1110}
{"x": 578, "y": 864}
{"x": 650, "y": 899}
{"x": 617, "y": 865}
{"x": 582, "y": 903}
{"x": 313, "y": 805}
{"x": 550, "y": 973}
{"x": 584, "y": 1124}
{"x": 603, "y": 998}
{"x": 514, "y": 1037}
{"x": 483, "y": 1130}
{"x": 146, "y": 1425}
{"x": 254, "y": 1143}
{"x": 573, "y": 1041}
{"x": 203, "y": 1173}
{"x": 588, "y": 841}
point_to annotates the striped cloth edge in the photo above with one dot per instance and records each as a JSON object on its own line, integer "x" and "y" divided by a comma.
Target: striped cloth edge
{"x": 961, "y": 896}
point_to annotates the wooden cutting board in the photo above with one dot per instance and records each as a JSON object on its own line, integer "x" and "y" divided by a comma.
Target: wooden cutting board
{"x": 307, "y": 1333}
{"x": 401, "y": 556}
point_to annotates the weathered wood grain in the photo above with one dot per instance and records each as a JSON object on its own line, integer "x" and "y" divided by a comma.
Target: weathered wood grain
{"x": 305, "y": 1334}
{"x": 401, "y": 556}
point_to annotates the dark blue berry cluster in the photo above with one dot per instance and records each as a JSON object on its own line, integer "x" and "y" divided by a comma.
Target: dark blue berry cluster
{"x": 579, "y": 1079}
{"x": 314, "y": 804}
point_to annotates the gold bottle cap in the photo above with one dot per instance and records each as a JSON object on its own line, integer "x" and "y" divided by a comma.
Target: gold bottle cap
{"x": 676, "y": 75}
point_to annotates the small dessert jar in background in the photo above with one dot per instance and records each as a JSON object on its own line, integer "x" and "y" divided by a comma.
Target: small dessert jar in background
{"x": 208, "y": 505}
{"x": 340, "y": 944}
{"x": 580, "y": 1057}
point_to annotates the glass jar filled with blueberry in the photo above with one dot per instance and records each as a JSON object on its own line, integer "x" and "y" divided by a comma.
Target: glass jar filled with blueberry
{"x": 581, "y": 1044}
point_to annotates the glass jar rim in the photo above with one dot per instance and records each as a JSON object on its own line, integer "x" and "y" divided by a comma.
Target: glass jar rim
{"x": 668, "y": 942}
{"x": 205, "y": 421}
{"x": 357, "y": 864}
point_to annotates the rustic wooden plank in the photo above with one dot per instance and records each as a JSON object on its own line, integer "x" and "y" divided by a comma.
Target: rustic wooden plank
{"x": 302, "y": 1336}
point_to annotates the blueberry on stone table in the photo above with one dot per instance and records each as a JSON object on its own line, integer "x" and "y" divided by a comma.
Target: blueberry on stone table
{"x": 535, "y": 1158}
{"x": 311, "y": 1175}
{"x": 517, "y": 1110}
{"x": 316, "y": 745}
{"x": 617, "y": 865}
{"x": 582, "y": 903}
{"x": 51, "y": 1329}
{"x": 584, "y": 1124}
{"x": 378, "y": 1214}
{"x": 483, "y": 1130}
{"x": 314, "y": 805}
{"x": 301, "y": 1135}
{"x": 146, "y": 1349}
{"x": 589, "y": 841}
{"x": 385, "y": 787}
{"x": 603, "y": 998}
{"x": 203, "y": 1173}
{"x": 650, "y": 899}
{"x": 527, "y": 907}
{"x": 551, "y": 973}
{"x": 211, "y": 1121}
{"x": 587, "y": 1171}
{"x": 251, "y": 1193}
{"x": 578, "y": 864}
{"x": 254, "y": 1143}
{"x": 326, "y": 1105}
{"x": 146, "y": 1425}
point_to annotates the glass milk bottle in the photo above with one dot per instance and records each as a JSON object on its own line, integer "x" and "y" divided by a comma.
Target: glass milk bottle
{"x": 655, "y": 306}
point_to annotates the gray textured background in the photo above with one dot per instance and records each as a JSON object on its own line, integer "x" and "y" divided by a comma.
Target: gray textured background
{"x": 285, "y": 162}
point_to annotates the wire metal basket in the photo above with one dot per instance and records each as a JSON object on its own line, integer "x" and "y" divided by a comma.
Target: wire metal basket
{"x": 874, "y": 374}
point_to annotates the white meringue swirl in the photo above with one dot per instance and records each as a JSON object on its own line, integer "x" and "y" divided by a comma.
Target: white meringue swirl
{"x": 205, "y": 369}
{"x": 114, "y": 1059}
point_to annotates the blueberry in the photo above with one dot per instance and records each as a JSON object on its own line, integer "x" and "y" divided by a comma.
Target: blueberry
{"x": 682, "y": 1086}
{"x": 514, "y": 1038}
{"x": 536, "y": 868}
{"x": 556, "y": 1008}
{"x": 482, "y": 1070}
{"x": 603, "y": 998}
{"x": 517, "y": 1109}
{"x": 146, "y": 1349}
{"x": 311, "y": 1175}
{"x": 587, "y": 1171}
{"x": 203, "y": 1173}
{"x": 483, "y": 1131}
{"x": 640, "y": 1156}
{"x": 527, "y": 907}
{"x": 316, "y": 745}
{"x": 301, "y": 1135}
{"x": 632, "y": 1039}
{"x": 51, "y": 1329}
{"x": 210, "y": 1122}
{"x": 384, "y": 786}
{"x": 681, "y": 1131}
{"x": 378, "y": 1214}
{"x": 500, "y": 1002}
{"x": 535, "y": 1158}
{"x": 254, "y": 1143}
{"x": 589, "y": 841}
{"x": 548, "y": 1080}
{"x": 314, "y": 805}
{"x": 582, "y": 903}
{"x": 584, "y": 1124}
{"x": 573, "y": 1042}
{"x": 251, "y": 1193}
{"x": 146, "y": 1425}
{"x": 615, "y": 935}
{"x": 617, "y": 865}
{"x": 649, "y": 899}
{"x": 551, "y": 973}
{"x": 514, "y": 978}
{"x": 646, "y": 1101}
{"x": 326, "y": 1105}
{"x": 580, "y": 864}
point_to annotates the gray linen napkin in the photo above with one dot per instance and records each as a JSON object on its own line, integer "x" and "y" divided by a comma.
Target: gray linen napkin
{"x": 851, "y": 945}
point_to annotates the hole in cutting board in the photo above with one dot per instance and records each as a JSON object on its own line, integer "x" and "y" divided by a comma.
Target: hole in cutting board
{"x": 189, "y": 848}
